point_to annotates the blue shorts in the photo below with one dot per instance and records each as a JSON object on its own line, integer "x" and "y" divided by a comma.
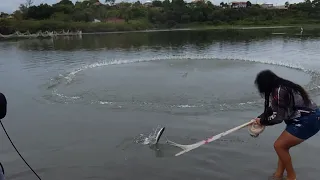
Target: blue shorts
{"x": 306, "y": 126}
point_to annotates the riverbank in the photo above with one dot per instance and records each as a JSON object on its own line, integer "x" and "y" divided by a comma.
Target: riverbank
{"x": 9, "y": 27}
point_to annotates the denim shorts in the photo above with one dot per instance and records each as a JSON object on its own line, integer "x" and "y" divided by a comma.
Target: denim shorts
{"x": 305, "y": 126}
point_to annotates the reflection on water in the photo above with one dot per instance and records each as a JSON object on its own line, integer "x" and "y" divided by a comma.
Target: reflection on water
{"x": 156, "y": 40}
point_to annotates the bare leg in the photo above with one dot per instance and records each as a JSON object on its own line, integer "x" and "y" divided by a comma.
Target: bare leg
{"x": 280, "y": 170}
{"x": 282, "y": 146}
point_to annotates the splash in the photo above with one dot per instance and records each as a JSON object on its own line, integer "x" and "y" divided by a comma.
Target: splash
{"x": 149, "y": 139}
{"x": 105, "y": 102}
{"x": 63, "y": 96}
{"x": 313, "y": 86}
{"x": 186, "y": 106}
{"x": 71, "y": 75}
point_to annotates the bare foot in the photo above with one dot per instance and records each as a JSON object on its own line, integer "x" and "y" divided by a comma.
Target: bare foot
{"x": 276, "y": 177}
{"x": 291, "y": 178}
{"x": 288, "y": 178}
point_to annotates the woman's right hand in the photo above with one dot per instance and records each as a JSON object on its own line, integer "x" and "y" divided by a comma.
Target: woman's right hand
{"x": 257, "y": 121}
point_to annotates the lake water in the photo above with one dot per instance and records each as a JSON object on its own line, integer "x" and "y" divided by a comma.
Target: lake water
{"x": 82, "y": 107}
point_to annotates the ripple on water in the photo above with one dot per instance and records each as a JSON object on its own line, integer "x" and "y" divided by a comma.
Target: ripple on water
{"x": 161, "y": 84}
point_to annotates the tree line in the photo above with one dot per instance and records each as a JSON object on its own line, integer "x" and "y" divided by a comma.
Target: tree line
{"x": 168, "y": 13}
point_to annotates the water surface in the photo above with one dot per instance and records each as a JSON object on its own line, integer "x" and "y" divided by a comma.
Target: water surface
{"x": 81, "y": 107}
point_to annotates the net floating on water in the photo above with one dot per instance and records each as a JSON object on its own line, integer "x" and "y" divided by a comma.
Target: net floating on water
{"x": 27, "y": 34}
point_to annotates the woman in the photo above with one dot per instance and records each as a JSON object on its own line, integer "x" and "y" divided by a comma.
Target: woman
{"x": 289, "y": 103}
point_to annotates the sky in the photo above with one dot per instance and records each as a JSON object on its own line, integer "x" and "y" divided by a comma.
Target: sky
{"x": 8, "y": 6}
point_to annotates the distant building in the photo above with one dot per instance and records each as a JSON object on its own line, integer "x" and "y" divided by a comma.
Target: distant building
{"x": 96, "y": 20}
{"x": 238, "y": 4}
{"x": 280, "y": 7}
{"x": 267, "y": 5}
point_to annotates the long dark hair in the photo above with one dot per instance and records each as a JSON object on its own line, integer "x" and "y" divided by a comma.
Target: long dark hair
{"x": 266, "y": 81}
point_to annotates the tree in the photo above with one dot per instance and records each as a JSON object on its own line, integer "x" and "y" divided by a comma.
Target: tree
{"x": 65, "y": 2}
{"x": 222, "y": 4}
{"x": 137, "y": 4}
{"x": 286, "y": 4}
{"x": 157, "y": 3}
{"x": 249, "y": 4}
{"x": 64, "y": 7}
{"x": 209, "y": 3}
{"x": 43, "y": 11}
{"x": 166, "y": 4}
{"x": 29, "y": 3}
{"x": 316, "y": 3}
{"x": 23, "y": 8}
{"x": 17, "y": 15}
{"x": 167, "y": 12}
{"x": 60, "y": 16}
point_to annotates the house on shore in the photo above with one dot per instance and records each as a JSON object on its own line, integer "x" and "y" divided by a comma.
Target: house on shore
{"x": 267, "y": 5}
{"x": 238, "y": 4}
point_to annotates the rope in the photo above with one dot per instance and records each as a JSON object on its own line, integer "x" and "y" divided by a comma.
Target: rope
{"x": 18, "y": 152}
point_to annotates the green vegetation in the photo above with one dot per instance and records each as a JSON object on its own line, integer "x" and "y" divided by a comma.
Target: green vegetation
{"x": 93, "y": 16}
